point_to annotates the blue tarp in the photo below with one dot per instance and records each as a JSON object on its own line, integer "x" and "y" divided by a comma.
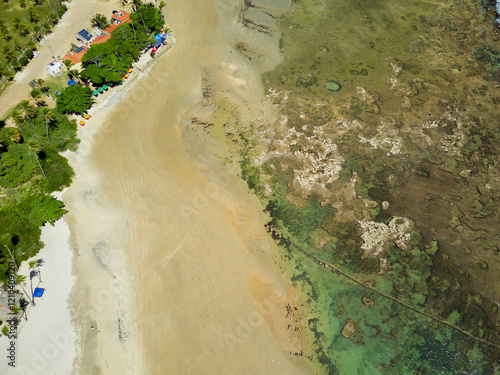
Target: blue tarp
{"x": 160, "y": 40}
{"x": 38, "y": 292}
{"x": 71, "y": 82}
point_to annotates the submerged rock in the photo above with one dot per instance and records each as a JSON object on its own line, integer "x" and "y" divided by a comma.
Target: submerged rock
{"x": 367, "y": 301}
{"x": 349, "y": 329}
{"x": 333, "y": 86}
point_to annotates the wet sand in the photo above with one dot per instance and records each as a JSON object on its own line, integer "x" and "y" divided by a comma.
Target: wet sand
{"x": 177, "y": 273}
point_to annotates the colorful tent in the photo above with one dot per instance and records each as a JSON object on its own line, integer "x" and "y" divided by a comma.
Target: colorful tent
{"x": 71, "y": 82}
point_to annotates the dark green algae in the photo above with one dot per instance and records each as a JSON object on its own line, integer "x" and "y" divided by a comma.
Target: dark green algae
{"x": 354, "y": 43}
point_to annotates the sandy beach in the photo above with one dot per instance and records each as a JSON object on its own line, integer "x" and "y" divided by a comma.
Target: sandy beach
{"x": 174, "y": 269}
{"x": 47, "y": 340}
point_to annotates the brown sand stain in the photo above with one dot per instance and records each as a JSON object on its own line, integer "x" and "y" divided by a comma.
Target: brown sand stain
{"x": 283, "y": 312}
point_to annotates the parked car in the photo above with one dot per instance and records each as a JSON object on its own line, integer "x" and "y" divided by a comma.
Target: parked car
{"x": 35, "y": 54}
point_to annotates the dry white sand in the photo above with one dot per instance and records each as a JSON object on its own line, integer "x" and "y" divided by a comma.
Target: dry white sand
{"x": 46, "y": 343}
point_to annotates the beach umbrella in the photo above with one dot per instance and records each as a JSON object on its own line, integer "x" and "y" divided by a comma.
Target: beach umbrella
{"x": 38, "y": 292}
{"x": 95, "y": 93}
{"x": 82, "y": 123}
{"x": 100, "y": 90}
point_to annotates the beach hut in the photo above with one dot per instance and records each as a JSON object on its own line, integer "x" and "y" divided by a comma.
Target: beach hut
{"x": 130, "y": 70}
{"x": 54, "y": 68}
{"x": 82, "y": 123}
{"x": 95, "y": 93}
{"x": 105, "y": 87}
{"x": 86, "y": 116}
{"x": 100, "y": 90}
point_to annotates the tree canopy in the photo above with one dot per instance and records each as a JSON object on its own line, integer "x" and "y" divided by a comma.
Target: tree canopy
{"x": 108, "y": 62}
{"x": 75, "y": 99}
{"x": 149, "y": 17}
{"x": 100, "y": 21}
{"x": 30, "y": 169}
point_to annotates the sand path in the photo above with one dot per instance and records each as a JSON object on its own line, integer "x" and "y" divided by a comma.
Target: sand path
{"x": 196, "y": 288}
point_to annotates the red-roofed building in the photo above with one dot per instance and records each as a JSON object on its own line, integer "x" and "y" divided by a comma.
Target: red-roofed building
{"x": 76, "y": 57}
{"x": 120, "y": 17}
{"x": 111, "y": 28}
{"x": 101, "y": 39}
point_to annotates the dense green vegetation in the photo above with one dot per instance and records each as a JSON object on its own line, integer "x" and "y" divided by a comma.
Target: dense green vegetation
{"x": 75, "y": 99}
{"x": 108, "y": 62}
{"x": 22, "y": 24}
{"x": 30, "y": 169}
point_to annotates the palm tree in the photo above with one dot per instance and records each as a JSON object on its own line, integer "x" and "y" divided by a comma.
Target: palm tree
{"x": 67, "y": 63}
{"x": 35, "y": 149}
{"x": 16, "y": 21}
{"x": 22, "y": 3}
{"x": 23, "y": 29}
{"x": 74, "y": 74}
{"x": 5, "y": 33}
{"x": 27, "y": 109}
{"x": 35, "y": 95}
{"x": 4, "y": 237}
{"x": 50, "y": 6}
{"x": 47, "y": 116}
{"x": 33, "y": 16}
{"x": 45, "y": 90}
{"x": 19, "y": 280}
{"x": 135, "y": 4}
{"x": 162, "y": 4}
{"x": 10, "y": 56}
{"x": 40, "y": 82}
{"x": 14, "y": 135}
{"x": 16, "y": 116}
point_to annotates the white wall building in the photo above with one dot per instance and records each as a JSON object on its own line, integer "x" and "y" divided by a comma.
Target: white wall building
{"x": 54, "y": 68}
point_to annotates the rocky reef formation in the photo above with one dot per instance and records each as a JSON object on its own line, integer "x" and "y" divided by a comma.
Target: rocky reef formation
{"x": 394, "y": 178}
